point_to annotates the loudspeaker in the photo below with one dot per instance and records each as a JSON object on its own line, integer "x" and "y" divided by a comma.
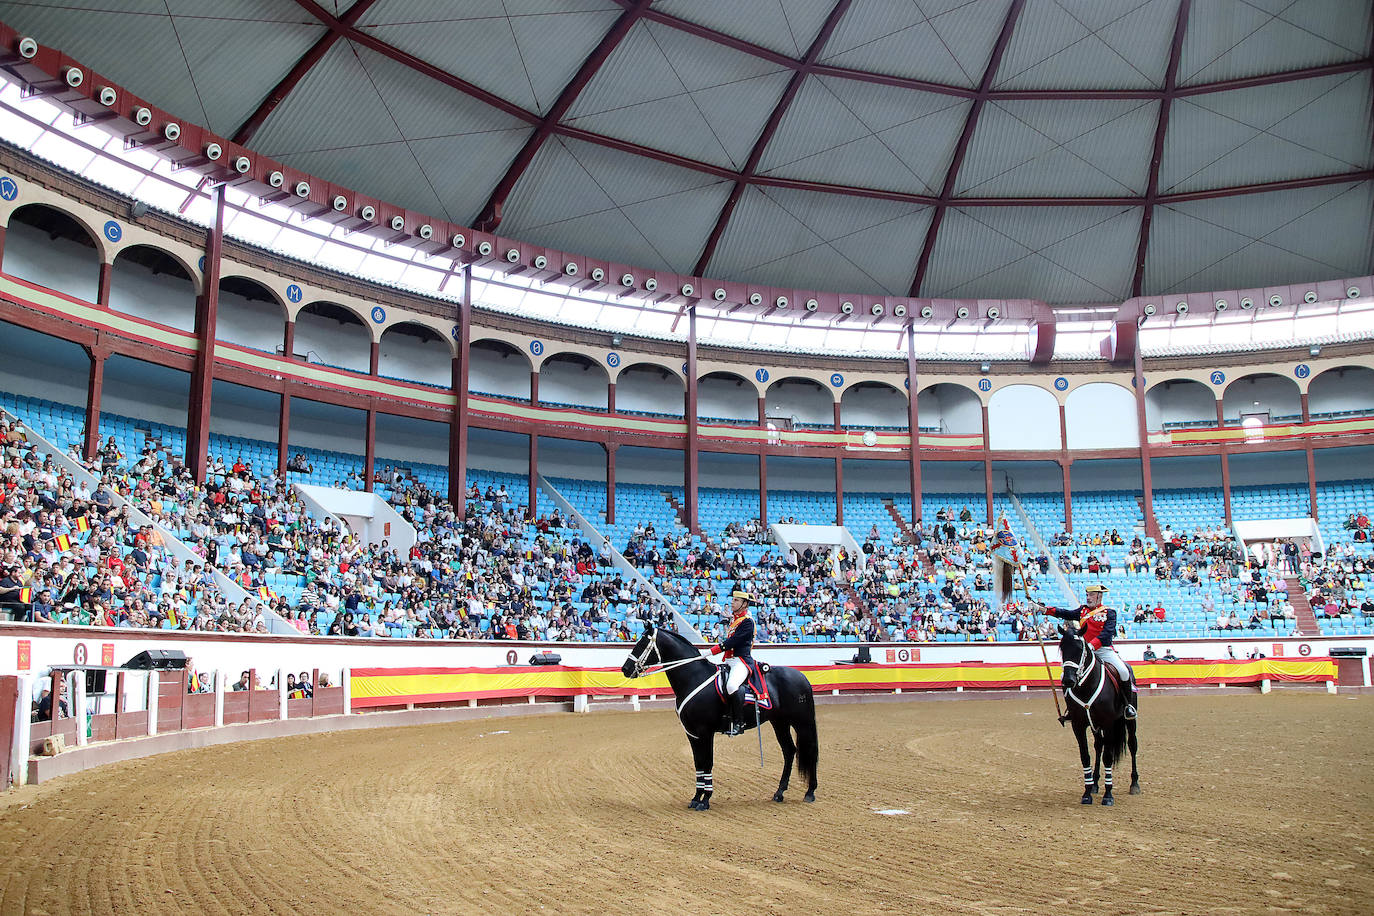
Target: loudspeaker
{"x": 95, "y": 682}
{"x": 546, "y": 658}
{"x": 864, "y": 656}
{"x": 160, "y": 659}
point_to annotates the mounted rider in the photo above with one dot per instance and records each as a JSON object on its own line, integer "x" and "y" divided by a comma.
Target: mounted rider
{"x": 1097, "y": 626}
{"x": 737, "y": 649}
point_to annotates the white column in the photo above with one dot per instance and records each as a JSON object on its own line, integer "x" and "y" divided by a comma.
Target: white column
{"x": 281, "y": 693}
{"x": 152, "y": 687}
{"x": 219, "y": 699}
{"x": 79, "y": 706}
{"x": 347, "y": 680}
{"x": 23, "y": 732}
{"x": 580, "y": 703}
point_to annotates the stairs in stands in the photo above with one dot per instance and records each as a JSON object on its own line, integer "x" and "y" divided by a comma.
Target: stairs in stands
{"x": 905, "y": 528}
{"x": 1151, "y": 523}
{"x": 678, "y": 509}
{"x": 862, "y": 607}
{"x": 1302, "y": 608}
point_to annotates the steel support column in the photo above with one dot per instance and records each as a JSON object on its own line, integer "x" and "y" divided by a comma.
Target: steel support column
{"x": 690, "y": 460}
{"x": 763, "y": 466}
{"x": 1146, "y": 480}
{"x": 913, "y": 425}
{"x": 370, "y": 450}
{"x": 283, "y": 435}
{"x": 1311, "y": 459}
{"x": 288, "y": 340}
{"x": 95, "y": 384}
{"x": 1225, "y": 467}
{"x": 839, "y": 471}
{"x": 1064, "y": 462}
{"x": 533, "y": 504}
{"x": 202, "y": 376}
{"x": 610, "y": 482}
{"x": 102, "y": 290}
{"x": 987, "y": 463}
{"x": 458, "y": 422}
{"x": 610, "y": 398}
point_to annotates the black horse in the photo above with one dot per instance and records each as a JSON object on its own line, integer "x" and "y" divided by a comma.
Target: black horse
{"x": 701, "y": 710}
{"x": 1096, "y": 702}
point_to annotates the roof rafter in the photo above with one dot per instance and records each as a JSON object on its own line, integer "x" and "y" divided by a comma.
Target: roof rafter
{"x": 1157, "y": 153}
{"x": 490, "y": 216}
{"x": 293, "y": 77}
{"x": 770, "y": 128}
{"x": 965, "y": 137}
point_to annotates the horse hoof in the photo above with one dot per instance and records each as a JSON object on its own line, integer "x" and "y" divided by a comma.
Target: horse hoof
{"x": 1107, "y": 800}
{"x": 703, "y": 806}
{"x": 777, "y": 796}
{"x": 1087, "y": 799}
{"x": 1135, "y": 788}
{"x": 809, "y": 796}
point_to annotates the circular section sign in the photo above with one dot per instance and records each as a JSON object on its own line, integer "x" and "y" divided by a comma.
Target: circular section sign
{"x": 512, "y": 658}
{"x": 79, "y": 654}
{"x": 1304, "y": 650}
{"x": 836, "y": 379}
{"x": 1061, "y": 384}
{"x": 378, "y": 314}
{"x": 9, "y": 188}
{"x": 200, "y": 265}
{"x": 613, "y": 359}
{"x": 761, "y": 375}
{"x": 1302, "y": 370}
{"x": 985, "y": 384}
{"x": 293, "y": 293}
{"x": 537, "y": 347}
{"x": 1218, "y": 377}
{"x": 112, "y": 231}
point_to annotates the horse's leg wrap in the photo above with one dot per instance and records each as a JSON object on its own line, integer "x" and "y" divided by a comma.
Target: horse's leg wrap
{"x": 1107, "y": 784}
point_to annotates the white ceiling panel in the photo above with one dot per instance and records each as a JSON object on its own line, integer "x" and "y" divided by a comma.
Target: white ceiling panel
{"x": 1227, "y": 39}
{"x": 1083, "y": 44}
{"x": 1060, "y": 148}
{"x": 1074, "y": 254}
{"x": 336, "y": 106}
{"x": 1269, "y": 133}
{"x": 1262, "y": 239}
{"x": 945, "y": 41}
{"x": 785, "y": 26}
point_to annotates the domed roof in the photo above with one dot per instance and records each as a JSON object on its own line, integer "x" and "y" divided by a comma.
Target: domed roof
{"x": 1067, "y": 150}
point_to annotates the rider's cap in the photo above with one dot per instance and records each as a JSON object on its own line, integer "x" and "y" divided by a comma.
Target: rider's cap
{"x": 1096, "y": 589}
{"x": 746, "y": 597}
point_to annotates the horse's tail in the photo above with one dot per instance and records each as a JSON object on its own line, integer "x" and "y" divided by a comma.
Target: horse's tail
{"x": 1114, "y": 747}
{"x": 808, "y": 743}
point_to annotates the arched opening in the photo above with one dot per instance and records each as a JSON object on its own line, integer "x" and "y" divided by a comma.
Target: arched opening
{"x": 800, "y": 402}
{"x": 727, "y": 396}
{"x": 873, "y": 405}
{"x": 950, "y": 409}
{"x": 573, "y": 380}
{"x": 43, "y": 382}
{"x": 250, "y": 315}
{"x": 143, "y": 405}
{"x": 651, "y": 390}
{"x": 1101, "y": 415}
{"x": 334, "y": 335}
{"x": 415, "y": 353}
{"x": 1263, "y": 396}
{"x": 1345, "y": 391}
{"x": 148, "y": 283}
{"x": 1023, "y": 417}
{"x": 52, "y": 249}
{"x": 499, "y": 370}
{"x": 1179, "y": 403}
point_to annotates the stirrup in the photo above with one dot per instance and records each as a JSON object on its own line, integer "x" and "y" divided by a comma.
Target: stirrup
{"x": 1130, "y": 710}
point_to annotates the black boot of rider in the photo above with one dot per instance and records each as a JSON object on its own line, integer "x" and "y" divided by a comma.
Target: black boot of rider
{"x": 1134, "y": 702}
{"x": 737, "y": 712}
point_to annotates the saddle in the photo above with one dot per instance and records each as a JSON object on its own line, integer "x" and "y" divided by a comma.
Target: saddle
{"x": 755, "y": 685}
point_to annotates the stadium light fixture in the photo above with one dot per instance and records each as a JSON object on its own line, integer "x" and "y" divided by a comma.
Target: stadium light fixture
{"x": 1315, "y": 351}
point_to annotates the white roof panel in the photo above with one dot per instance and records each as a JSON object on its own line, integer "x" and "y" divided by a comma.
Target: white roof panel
{"x": 1227, "y": 39}
{"x": 946, "y": 41}
{"x": 1086, "y": 44}
{"x": 785, "y": 26}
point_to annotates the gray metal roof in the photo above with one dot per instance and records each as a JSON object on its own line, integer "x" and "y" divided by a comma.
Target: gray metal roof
{"x": 1067, "y": 150}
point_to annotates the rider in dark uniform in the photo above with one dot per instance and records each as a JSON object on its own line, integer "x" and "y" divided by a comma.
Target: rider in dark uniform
{"x": 1097, "y": 626}
{"x": 737, "y": 648}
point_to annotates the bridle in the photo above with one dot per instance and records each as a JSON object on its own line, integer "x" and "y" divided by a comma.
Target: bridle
{"x": 1085, "y": 668}
{"x": 642, "y": 666}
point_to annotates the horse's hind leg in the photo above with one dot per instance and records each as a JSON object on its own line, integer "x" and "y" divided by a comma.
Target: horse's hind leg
{"x": 703, "y": 754}
{"x": 1131, "y": 743}
{"x": 789, "y": 751}
{"x": 1082, "y": 736}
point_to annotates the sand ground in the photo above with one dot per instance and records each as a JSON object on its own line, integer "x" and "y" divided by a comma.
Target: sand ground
{"x": 1252, "y": 804}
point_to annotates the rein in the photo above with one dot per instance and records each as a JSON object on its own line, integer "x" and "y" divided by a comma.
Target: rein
{"x": 1084, "y": 671}
{"x": 643, "y": 667}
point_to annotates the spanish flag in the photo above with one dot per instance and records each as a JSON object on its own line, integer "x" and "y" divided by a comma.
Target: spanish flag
{"x": 26, "y": 595}
{"x": 82, "y": 525}
{"x": 172, "y": 616}
{"x": 64, "y": 543}
{"x": 264, "y": 593}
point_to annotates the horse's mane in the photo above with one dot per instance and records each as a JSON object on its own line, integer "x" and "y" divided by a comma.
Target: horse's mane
{"x": 682, "y": 641}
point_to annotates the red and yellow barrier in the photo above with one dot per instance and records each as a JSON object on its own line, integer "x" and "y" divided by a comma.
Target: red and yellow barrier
{"x": 381, "y": 687}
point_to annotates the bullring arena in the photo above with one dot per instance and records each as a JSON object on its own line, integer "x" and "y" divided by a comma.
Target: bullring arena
{"x": 406, "y": 406}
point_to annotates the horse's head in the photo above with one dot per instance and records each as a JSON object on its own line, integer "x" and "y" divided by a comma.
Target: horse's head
{"x": 1072, "y": 651}
{"x": 642, "y": 654}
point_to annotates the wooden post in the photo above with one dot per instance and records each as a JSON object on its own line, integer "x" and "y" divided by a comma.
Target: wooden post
{"x": 913, "y": 425}
{"x": 690, "y": 468}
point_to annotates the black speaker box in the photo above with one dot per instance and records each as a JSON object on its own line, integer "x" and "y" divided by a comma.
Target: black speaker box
{"x": 546, "y": 658}
{"x": 95, "y": 682}
{"x": 160, "y": 659}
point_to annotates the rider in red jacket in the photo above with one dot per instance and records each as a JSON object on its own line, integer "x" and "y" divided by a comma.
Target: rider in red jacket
{"x": 1097, "y": 626}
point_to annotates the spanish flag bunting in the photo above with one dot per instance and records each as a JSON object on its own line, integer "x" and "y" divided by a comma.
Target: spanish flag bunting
{"x": 64, "y": 543}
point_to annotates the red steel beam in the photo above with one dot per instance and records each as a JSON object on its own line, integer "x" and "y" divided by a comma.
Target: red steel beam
{"x": 490, "y": 216}
{"x": 961, "y": 148}
{"x": 297, "y": 73}
{"x": 770, "y": 128}
{"x": 1157, "y": 154}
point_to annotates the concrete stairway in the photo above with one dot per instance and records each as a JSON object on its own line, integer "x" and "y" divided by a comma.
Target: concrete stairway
{"x": 1302, "y": 608}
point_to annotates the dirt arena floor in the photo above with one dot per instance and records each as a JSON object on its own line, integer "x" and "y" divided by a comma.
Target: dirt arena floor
{"x": 1252, "y": 804}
